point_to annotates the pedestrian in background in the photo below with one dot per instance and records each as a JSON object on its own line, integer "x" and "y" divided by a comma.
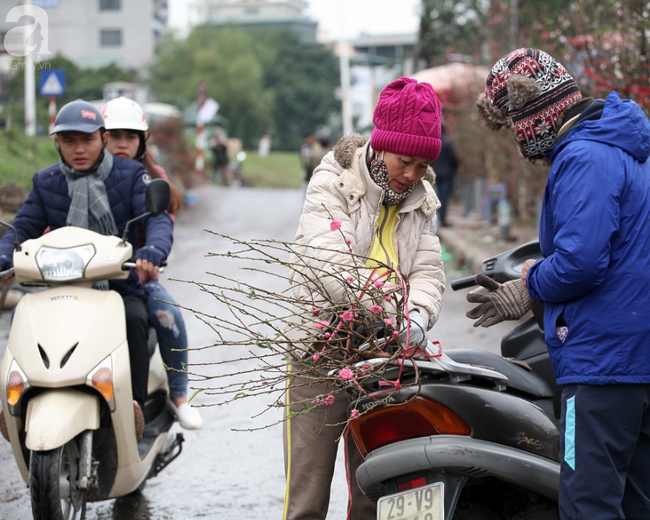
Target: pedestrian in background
{"x": 380, "y": 193}
{"x": 319, "y": 149}
{"x": 220, "y": 160}
{"x": 445, "y": 167}
{"x": 306, "y": 150}
{"x": 594, "y": 278}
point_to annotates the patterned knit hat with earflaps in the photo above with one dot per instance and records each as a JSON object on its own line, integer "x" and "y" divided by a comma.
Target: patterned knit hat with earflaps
{"x": 529, "y": 90}
{"x": 407, "y": 120}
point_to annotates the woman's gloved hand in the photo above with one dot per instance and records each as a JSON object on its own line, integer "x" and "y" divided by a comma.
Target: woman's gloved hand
{"x": 416, "y": 329}
{"x": 507, "y": 301}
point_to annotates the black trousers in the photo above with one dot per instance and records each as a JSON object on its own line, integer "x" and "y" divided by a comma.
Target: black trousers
{"x": 137, "y": 334}
{"x": 605, "y": 450}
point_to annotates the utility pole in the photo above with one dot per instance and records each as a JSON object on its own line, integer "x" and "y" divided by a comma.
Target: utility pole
{"x": 514, "y": 24}
{"x": 344, "y": 60}
{"x": 30, "y": 84}
{"x": 346, "y": 112}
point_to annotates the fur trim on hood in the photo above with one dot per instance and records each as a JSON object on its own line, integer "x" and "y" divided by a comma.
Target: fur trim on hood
{"x": 345, "y": 148}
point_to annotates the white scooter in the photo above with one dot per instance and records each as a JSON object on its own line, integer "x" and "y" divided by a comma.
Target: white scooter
{"x": 65, "y": 380}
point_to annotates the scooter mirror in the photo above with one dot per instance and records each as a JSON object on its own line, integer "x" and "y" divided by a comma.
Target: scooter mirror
{"x": 16, "y": 243}
{"x": 158, "y": 194}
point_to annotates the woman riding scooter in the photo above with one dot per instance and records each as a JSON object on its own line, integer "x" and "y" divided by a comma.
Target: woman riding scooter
{"x": 128, "y": 130}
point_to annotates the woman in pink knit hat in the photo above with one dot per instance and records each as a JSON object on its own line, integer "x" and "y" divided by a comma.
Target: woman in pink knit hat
{"x": 380, "y": 192}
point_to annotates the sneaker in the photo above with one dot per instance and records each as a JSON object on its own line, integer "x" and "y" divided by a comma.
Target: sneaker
{"x": 188, "y": 417}
{"x": 139, "y": 420}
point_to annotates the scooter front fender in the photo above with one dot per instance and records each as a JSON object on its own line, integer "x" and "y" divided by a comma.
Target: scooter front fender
{"x": 58, "y": 416}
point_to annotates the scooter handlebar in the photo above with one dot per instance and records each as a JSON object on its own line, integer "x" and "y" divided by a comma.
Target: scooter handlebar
{"x": 6, "y": 274}
{"x": 463, "y": 283}
{"x": 131, "y": 265}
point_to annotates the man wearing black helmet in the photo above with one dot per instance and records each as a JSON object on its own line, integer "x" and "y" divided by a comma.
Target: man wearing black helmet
{"x": 92, "y": 189}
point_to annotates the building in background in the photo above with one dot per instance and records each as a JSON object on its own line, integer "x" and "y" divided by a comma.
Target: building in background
{"x": 376, "y": 60}
{"x": 95, "y": 33}
{"x": 255, "y": 14}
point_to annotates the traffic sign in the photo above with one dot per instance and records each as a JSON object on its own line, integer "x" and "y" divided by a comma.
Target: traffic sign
{"x": 52, "y": 83}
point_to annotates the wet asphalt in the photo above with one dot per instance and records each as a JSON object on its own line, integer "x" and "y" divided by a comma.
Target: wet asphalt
{"x": 224, "y": 474}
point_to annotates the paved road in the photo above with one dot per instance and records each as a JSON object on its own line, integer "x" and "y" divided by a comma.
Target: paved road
{"x": 224, "y": 474}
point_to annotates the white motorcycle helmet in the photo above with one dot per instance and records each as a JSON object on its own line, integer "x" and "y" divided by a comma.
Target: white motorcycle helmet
{"x": 124, "y": 113}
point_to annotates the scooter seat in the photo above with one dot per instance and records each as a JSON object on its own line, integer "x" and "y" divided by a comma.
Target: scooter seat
{"x": 519, "y": 378}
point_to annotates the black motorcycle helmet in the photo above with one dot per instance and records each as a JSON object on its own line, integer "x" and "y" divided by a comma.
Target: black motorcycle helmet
{"x": 78, "y": 116}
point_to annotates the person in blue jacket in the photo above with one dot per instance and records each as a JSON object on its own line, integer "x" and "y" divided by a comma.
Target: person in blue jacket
{"x": 594, "y": 278}
{"x": 92, "y": 189}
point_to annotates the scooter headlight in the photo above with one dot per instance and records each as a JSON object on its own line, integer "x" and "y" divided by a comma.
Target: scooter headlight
{"x": 17, "y": 383}
{"x": 60, "y": 265}
{"x": 101, "y": 379}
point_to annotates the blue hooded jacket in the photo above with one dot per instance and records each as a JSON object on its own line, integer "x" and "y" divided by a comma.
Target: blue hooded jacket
{"x": 595, "y": 238}
{"x": 48, "y": 203}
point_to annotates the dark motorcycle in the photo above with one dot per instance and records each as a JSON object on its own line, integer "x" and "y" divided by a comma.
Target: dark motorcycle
{"x": 469, "y": 435}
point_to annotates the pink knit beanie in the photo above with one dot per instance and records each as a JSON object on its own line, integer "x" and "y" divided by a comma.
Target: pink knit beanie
{"x": 407, "y": 120}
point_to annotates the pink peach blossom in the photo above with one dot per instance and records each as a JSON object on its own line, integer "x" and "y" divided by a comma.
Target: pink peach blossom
{"x": 376, "y": 309}
{"x": 335, "y": 224}
{"x": 346, "y": 374}
{"x": 347, "y": 316}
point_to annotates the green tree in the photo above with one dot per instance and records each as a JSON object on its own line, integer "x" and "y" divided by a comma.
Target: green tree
{"x": 610, "y": 48}
{"x": 603, "y": 43}
{"x": 304, "y": 79}
{"x": 225, "y": 58}
{"x": 451, "y": 27}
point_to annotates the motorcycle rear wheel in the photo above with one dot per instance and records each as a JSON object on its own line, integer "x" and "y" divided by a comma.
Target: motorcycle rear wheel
{"x": 53, "y": 479}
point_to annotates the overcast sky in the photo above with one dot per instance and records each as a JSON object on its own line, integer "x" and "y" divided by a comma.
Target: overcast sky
{"x": 340, "y": 18}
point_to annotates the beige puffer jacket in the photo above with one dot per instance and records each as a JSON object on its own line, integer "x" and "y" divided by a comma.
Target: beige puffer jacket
{"x": 342, "y": 187}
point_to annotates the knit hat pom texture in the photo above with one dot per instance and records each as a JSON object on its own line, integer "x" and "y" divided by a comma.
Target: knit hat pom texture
{"x": 407, "y": 120}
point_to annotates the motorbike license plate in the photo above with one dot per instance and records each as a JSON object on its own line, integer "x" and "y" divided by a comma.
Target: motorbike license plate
{"x": 425, "y": 503}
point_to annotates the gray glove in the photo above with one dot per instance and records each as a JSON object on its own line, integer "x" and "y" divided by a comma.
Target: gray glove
{"x": 507, "y": 301}
{"x": 416, "y": 328}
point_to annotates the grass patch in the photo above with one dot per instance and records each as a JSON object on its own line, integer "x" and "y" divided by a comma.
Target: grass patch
{"x": 22, "y": 156}
{"x": 277, "y": 170}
